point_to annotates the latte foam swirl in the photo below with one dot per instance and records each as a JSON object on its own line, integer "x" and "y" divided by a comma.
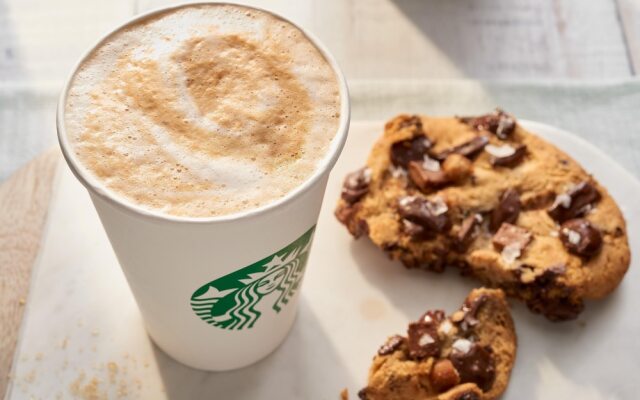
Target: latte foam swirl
{"x": 203, "y": 111}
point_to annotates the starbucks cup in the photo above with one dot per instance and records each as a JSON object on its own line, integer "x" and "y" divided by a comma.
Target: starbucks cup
{"x": 215, "y": 293}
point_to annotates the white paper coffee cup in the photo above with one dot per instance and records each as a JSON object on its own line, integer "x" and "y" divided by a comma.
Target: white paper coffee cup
{"x": 215, "y": 293}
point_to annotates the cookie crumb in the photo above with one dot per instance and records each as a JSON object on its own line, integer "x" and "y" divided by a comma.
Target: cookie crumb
{"x": 30, "y": 377}
{"x": 113, "y": 371}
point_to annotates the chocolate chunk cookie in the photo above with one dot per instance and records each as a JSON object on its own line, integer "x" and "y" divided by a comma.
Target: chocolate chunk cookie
{"x": 468, "y": 355}
{"x": 483, "y": 194}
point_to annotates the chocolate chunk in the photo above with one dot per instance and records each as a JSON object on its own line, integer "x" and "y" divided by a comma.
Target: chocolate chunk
{"x": 580, "y": 237}
{"x": 470, "y": 313}
{"x": 426, "y": 178}
{"x": 575, "y": 203}
{"x": 415, "y": 231}
{"x": 475, "y": 365}
{"x": 408, "y": 150}
{"x": 506, "y": 155}
{"x": 431, "y": 215}
{"x": 506, "y": 126}
{"x": 508, "y": 209}
{"x": 392, "y": 344}
{"x": 512, "y": 236}
{"x": 499, "y": 123}
{"x": 468, "y": 396}
{"x": 468, "y": 149}
{"x": 423, "y": 335}
{"x": 466, "y": 232}
{"x": 356, "y": 185}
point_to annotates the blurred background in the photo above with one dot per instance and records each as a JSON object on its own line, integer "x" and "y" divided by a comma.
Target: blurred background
{"x": 586, "y": 40}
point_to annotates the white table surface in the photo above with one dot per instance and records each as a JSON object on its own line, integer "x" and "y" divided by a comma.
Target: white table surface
{"x": 96, "y": 348}
{"x": 40, "y": 40}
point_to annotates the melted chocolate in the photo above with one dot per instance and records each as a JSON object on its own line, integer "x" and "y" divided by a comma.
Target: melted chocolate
{"x": 511, "y": 160}
{"x": 580, "y": 237}
{"x": 476, "y": 366}
{"x": 425, "y": 179}
{"x": 409, "y": 150}
{"x": 423, "y": 335}
{"x": 468, "y": 149}
{"x": 508, "y": 210}
{"x": 574, "y": 203}
{"x": 420, "y": 211}
{"x": 466, "y": 232}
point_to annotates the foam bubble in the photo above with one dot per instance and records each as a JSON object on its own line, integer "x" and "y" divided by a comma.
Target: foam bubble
{"x": 202, "y": 111}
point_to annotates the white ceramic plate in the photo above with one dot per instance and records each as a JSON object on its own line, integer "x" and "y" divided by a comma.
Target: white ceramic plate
{"x": 81, "y": 316}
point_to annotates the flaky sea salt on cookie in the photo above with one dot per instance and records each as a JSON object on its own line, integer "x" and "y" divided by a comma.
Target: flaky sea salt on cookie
{"x": 485, "y": 195}
{"x": 466, "y": 356}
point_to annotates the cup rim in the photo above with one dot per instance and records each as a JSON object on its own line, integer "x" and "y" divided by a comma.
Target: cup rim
{"x": 94, "y": 186}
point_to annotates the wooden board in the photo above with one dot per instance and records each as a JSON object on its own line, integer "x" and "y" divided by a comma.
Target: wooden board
{"x": 24, "y": 200}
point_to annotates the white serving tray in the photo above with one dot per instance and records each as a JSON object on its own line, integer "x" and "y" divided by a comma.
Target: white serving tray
{"x": 83, "y": 336}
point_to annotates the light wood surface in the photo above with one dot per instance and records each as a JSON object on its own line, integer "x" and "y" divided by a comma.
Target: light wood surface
{"x": 23, "y": 207}
{"x": 629, "y": 14}
{"x": 40, "y": 40}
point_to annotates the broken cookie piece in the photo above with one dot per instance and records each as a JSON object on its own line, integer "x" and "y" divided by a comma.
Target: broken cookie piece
{"x": 485, "y": 195}
{"x": 468, "y": 355}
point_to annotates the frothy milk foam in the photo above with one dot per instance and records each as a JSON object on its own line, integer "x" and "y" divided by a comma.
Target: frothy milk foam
{"x": 204, "y": 110}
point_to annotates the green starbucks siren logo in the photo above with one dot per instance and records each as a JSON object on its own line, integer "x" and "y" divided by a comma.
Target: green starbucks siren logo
{"x": 230, "y": 302}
